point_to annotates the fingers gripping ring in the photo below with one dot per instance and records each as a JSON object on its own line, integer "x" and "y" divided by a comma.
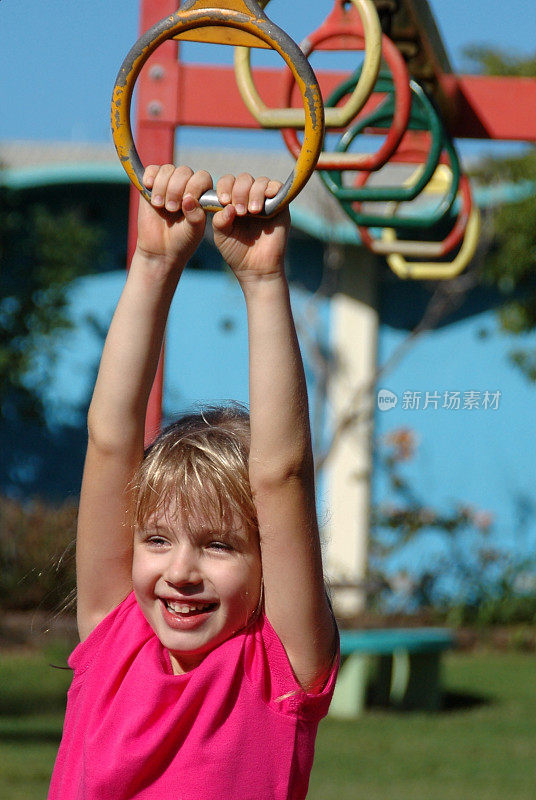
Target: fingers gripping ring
{"x": 249, "y": 19}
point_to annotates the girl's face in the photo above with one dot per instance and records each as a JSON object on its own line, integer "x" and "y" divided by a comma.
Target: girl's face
{"x": 195, "y": 583}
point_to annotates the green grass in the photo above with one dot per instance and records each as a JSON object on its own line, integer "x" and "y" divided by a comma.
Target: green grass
{"x": 32, "y": 702}
{"x": 481, "y": 747}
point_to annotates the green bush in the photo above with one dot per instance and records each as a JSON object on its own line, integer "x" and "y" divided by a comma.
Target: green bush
{"x": 507, "y": 608}
{"x": 36, "y": 554}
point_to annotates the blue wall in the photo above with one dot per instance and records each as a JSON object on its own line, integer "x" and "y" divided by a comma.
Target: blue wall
{"x": 482, "y": 457}
{"x": 485, "y": 458}
{"x": 206, "y": 361}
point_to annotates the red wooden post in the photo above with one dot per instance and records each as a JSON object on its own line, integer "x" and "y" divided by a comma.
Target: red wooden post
{"x": 156, "y": 120}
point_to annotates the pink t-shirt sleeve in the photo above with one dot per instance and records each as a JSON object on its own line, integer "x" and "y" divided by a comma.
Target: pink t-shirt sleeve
{"x": 271, "y": 668}
{"x": 83, "y": 654}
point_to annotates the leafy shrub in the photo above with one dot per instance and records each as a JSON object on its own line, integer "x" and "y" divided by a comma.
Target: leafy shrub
{"x": 36, "y": 554}
{"x": 471, "y": 581}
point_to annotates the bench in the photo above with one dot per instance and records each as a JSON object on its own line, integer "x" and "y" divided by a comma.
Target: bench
{"x": 400, "y": 667}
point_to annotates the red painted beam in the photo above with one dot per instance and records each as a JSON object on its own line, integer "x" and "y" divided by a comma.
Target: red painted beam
{"x": 492, "y": 107}
{"x": 482, "y": 107}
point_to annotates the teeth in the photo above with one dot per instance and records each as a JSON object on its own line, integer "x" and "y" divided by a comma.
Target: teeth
{"x": 181, "y": 608}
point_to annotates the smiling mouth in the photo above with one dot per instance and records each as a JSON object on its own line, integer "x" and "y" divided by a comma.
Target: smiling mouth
{"x": 188, "y": 609}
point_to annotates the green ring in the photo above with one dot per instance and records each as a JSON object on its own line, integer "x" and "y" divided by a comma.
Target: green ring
{"x": 424, "y": 117}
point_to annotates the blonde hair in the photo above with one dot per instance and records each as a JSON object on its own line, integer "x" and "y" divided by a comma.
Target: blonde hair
{"x": 198, "y": 465}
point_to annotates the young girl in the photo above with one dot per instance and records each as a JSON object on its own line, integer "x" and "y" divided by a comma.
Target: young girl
{"x": 208, "y": 647}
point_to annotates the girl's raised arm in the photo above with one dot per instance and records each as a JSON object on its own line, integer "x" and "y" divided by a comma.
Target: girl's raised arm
{"x": 116, "y": 419}
{"x": 281, "y": 460}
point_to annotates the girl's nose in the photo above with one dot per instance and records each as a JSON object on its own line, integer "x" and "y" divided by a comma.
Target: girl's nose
{"x": 183, "y": 567}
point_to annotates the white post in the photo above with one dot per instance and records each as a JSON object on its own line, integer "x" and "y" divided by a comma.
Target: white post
{"x": 349, "y": 465}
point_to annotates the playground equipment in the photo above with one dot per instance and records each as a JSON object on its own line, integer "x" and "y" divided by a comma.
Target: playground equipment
{"x": 400, "y": 88}
{"x": 419, "y": 109}
{"x": 233, "y": 22}
{"x": 335, "y": 26}
{"x": 424, "y": 249}
{"x": 422, "y": 117}
{"x": 438, "y": 270}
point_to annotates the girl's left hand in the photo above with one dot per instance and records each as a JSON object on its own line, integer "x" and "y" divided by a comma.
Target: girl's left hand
{"x": 253, "y": 247}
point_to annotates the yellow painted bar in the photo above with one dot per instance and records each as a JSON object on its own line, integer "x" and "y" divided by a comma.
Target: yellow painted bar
{"x": 219, "y": 35}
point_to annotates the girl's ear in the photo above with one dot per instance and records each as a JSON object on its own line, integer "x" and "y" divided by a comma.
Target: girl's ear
{"x": 260, "y": 605}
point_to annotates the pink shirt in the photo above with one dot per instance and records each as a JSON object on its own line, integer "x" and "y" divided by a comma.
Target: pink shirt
{"x": 236, "y": 727}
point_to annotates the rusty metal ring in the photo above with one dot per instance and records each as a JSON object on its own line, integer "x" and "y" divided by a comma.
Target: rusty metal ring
{"x": 186, "y": 19}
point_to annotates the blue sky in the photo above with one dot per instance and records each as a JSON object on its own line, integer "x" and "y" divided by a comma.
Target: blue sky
{"x": 59, "y": 59}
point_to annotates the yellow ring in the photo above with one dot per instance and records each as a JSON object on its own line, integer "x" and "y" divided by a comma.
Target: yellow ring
{"x": 439, "y": 183}
{"x": 430, "y": 270}
{"x": 263, "y": 29}
{"x": 337, "y": 117}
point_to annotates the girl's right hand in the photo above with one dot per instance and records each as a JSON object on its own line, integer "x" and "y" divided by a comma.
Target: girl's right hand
{"x": 253, "y": 246}
{"x": 171, "y": 226}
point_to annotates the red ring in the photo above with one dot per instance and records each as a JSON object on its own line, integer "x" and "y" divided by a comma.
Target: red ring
{"x": 401, "y": 115}
{"x": 403, "y": 155}
{"x": 457, "y": 232}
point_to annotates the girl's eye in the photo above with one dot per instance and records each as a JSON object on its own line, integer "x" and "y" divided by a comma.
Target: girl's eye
{"x": 156, "y": 541}
{"x": 220, "y": 546}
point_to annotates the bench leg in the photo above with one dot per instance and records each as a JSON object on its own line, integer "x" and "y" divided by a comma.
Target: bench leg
{"x": 351, "y": 688}
{"x": 404, "y": 680}
{"x": 381, "y": 680}
{"x": 400, "y": 678}
{"x": 415, "y": 682}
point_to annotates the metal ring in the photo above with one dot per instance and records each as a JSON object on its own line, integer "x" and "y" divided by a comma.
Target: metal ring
{"x": 186, "y": 19}
{"x": 429, "y": 270}
{"x": 427, "y": 249}
{"x": 336, "y": 117}
{"x": 423, "y": 117}
{"x": 414, "y": 221}
{"x": 400, "y": 87}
